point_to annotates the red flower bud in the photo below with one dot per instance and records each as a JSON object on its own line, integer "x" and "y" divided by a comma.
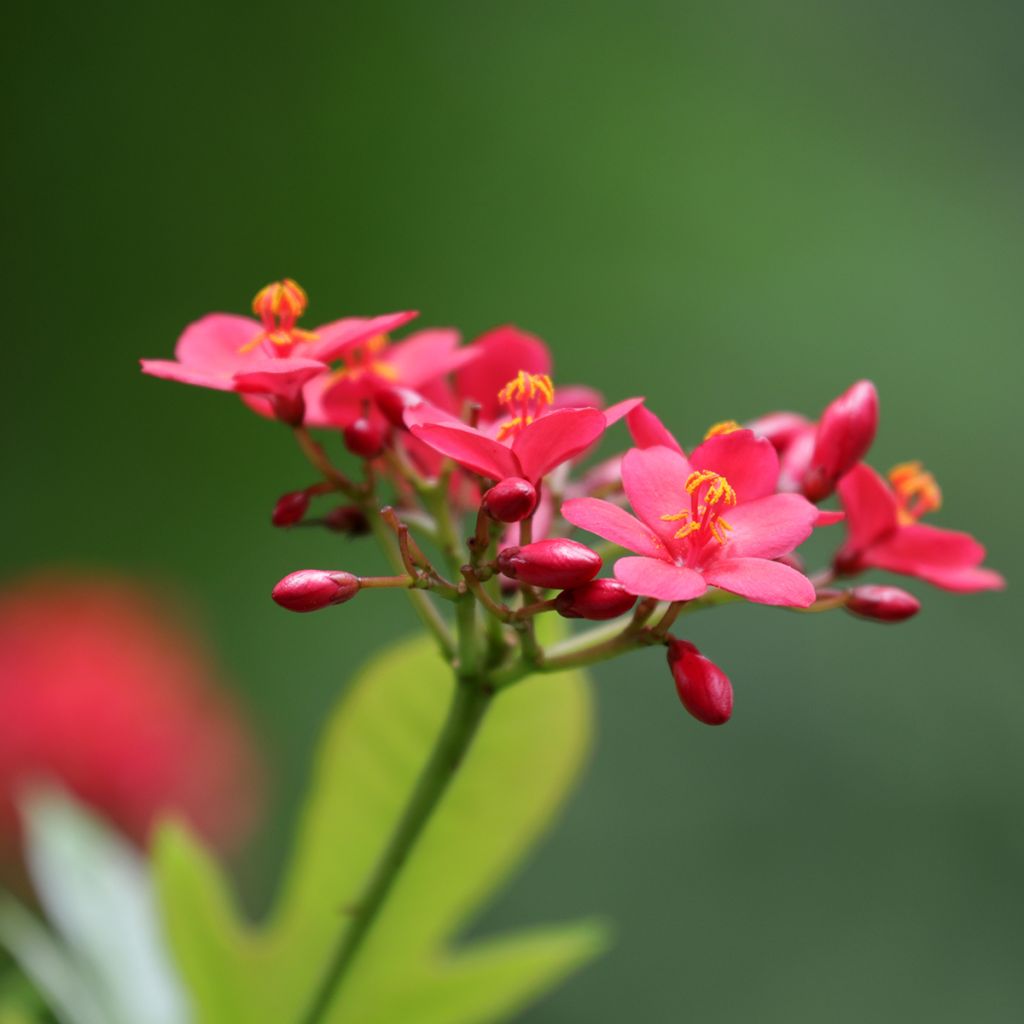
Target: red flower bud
{"x": 780, "y": 428}
{"x": 596, "y": 600}
{"x": 290, "y": 509}
{"x": 559, "y": 564}
{"x": 702, "y": 686}
{"x": 393, "y": 403}
{"x": 845, "y": 432}
{"x": 347, "y": 519}
{"x": 364, "y": 439}
{"x": 511, "y": 500}
{"x": 309, "y": 590}
{"x": 881, "y": 603}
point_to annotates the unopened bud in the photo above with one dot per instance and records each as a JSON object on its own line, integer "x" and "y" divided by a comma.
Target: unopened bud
{"x": 596, "y": 600}
{"x": 845, "y": 432}
{"x": 365, "y": 439}
{"x": 348, "y": 519}
{"x": 882, "y": 603}
{"x": 780, "y": 428}
{"x": 290, "y": 509}
{"x": 309, "y": 590}
{"x": 510, "y": 500}
{"x": 393, "y": 403}
{"x": 702, "y": 686}
{"x": 559, "y": 564}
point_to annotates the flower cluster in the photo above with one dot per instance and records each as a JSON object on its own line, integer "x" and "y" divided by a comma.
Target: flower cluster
{"x": 486, "y": 469}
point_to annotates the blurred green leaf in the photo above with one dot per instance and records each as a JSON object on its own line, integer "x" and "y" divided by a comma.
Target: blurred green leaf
{"x": 515, "y": 778}
{"x": 109, "y": 964}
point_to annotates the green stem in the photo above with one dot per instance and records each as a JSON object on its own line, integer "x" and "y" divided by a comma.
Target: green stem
{"x": 469, "y": 705}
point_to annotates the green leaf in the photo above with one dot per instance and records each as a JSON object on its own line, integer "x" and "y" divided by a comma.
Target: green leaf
{"x": 96, "y": 891}
{"x": 514, "y": 779}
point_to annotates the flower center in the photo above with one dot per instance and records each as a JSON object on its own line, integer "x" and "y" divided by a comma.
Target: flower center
{"x": 279, "y": 305}
{"x": 525, "y": 397}
{"x": 362, "y": 359}
{"x": 710, "y": 494}
{"x": 917, "y": 493}
{"x": 725, "y": 427}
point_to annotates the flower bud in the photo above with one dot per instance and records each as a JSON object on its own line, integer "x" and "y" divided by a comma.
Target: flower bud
{"x": 702, "y": 686}
{"x": 596, "y": 600}
{"x": 347, "y": 519}
{"x": 309, "y": 590}
{"x": 559, "y": 564}
{"x": 393, "y": 403}
{"x": 365, "y": 439}
{"x": 780, "y": 428}
{"x": 510, "y": 500}
{"x": 290, "y": 509}
{"x": 882, "y": 603}
{"x": 845, "y": 432}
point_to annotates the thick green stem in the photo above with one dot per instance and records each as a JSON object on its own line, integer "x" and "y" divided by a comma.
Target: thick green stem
{"x": 469, "y": 705}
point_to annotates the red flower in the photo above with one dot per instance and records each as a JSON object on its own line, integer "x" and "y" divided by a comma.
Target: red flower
{"x": 884, "y": 532}
{"x": 729, "y": 531}
{"x": 271, "y": 357}
{"x": 105, "y": 692}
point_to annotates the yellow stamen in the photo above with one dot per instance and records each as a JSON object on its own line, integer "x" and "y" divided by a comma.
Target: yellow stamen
{"x": 916, "y": 490}
{"x": 280, "y": 298}
{"x": 725, "y": 427}
{"x": 526, "y": 396}
{"x": 703, "y": 514}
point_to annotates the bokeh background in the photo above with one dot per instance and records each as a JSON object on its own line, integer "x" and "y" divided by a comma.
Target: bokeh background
{"x": 729, "y": 208}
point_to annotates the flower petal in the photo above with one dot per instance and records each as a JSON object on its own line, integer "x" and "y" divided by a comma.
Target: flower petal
{"x": 769, "y": 527}
{"x": 503, "y": 352}
{"x": 267, "y": 376}
{"x": 553, "y": 439}
{"x": 963, "y": 581}
{"x": 654, "y": 480}
{"x": 749, "y": 463}
{"x": 648, "y": 431}
{"x": 911, "y": 549}
{"x": 870, "y": 506}
{"x": 614, "y": 524}
{"x": 653, "y": 577}
{"x": 334, "y": 338}
{"x": 216, "y": 342}
{"x": 425, "y": 356}
{"x": 168, "y": 369}
{"x": 620, "y": 410}
{"x": 760, "y": 580}
{"x": 470, "y": 449}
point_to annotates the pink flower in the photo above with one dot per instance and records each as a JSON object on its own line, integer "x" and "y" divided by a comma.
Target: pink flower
{"x": 105, "y": 691}
{"x": 528, "y": 442}
{"x": 271, "y": 357}
{"x": 711, "y": 519}
{"x": 884, "y": 532}
{"x": 373, "y": 365}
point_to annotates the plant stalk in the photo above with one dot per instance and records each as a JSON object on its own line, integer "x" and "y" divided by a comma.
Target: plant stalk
{"x": 469, "y": 704}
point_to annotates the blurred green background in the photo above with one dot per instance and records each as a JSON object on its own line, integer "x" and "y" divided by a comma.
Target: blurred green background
{"x": 730, "y": 208}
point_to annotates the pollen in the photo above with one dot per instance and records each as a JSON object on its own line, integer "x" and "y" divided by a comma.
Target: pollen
{"x": 725, "y": 427}
{"x": 917, "y": 492}
{"x": 526, "y": 397}
{"x": 703, "y": 519}
{"x": 279, "y": 305}
{"x": 284, "y": 298}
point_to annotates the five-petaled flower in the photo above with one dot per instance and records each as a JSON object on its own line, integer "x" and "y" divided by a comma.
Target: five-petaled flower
{"x": 528, "y": 442}
{"x": 884, "y": 532}
{"x": 271, "y": 358}
{"x": 711, "y": 519}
